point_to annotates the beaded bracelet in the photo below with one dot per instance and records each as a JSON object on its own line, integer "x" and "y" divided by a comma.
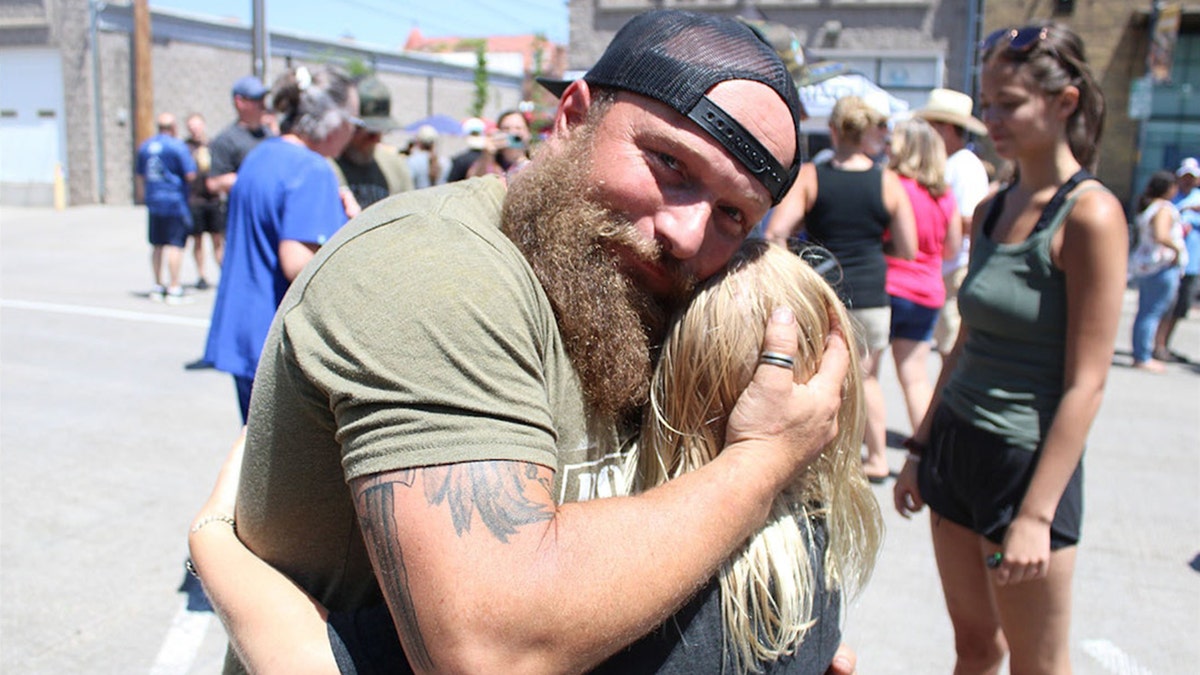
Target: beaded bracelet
{"x": 208, "y": 520}
{"x": 214, "y": 518}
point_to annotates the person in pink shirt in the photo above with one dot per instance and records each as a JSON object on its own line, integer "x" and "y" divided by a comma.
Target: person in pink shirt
{"x": 915, "y": 286}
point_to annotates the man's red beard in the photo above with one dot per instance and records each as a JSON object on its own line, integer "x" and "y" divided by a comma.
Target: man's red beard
{"x": 610, "y": 325}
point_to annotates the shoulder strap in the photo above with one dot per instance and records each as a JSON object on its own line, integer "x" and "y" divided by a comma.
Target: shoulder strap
{"x": 1055, "y": 205}
{"x": 1057, "y": 218}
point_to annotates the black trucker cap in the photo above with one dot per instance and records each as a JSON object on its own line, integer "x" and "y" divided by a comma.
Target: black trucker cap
{"x": 675, "y": 57}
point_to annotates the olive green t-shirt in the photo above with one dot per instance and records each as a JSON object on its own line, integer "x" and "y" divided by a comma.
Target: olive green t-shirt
{"x": 418, "y": 335}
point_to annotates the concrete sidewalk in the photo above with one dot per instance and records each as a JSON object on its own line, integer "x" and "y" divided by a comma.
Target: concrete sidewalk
{"x": 108, "y": 446}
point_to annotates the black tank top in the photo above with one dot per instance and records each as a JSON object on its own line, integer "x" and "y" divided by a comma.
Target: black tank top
{"x": 849, "y": 218}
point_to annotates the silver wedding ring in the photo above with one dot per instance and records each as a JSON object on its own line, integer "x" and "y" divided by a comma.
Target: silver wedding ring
{"x": 777, "y": 359}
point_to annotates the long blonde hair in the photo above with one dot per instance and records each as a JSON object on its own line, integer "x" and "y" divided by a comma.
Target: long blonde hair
{"x": 708, "y": 358}
{"x": 919, "y": 153}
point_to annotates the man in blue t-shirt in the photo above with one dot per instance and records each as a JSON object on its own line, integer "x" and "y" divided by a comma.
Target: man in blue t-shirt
{"x": 165, "y": 168}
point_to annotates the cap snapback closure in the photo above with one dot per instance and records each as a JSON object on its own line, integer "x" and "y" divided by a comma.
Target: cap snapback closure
{"x": 743, "y": 146}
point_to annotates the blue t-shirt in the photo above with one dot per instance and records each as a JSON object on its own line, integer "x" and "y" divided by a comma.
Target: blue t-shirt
{"x": 164, "y": 162}
{"x": 283, "y": 191}
{"x": 1187, "y": 205}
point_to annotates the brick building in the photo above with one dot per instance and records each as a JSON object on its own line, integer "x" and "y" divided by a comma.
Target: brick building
{"x": 66, "y": 106}
{"x": 1116, "y": 35}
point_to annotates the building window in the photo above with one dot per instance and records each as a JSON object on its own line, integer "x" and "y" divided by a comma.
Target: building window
{"x": 1173, "y": 130}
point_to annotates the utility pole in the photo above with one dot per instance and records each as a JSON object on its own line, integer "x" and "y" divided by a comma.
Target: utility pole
{"x": 262, "y": 41}
{"x": 143, "y": 81}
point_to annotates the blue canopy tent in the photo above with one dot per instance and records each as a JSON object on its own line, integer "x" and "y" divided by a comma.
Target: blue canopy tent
{"x": 443, "y": 124}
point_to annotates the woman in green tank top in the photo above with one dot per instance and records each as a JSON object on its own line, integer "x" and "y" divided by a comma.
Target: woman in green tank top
{"x": 997, "y": 457}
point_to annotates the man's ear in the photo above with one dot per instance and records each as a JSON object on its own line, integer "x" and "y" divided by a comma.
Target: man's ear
{"x": 573, "y": 107}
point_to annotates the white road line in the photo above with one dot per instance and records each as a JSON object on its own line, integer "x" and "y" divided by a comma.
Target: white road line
{"x": 1112, "y": 659}
{"x": 80, "y": 310}
{"x": 183, "y": 640}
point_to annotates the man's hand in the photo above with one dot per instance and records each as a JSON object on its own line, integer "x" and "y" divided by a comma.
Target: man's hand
{"x": 800, "y": 418}
{"x": 349, "y": 203}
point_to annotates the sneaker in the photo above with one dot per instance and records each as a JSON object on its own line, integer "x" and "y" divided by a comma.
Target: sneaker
{"x": 158, "y": 293}
{"x": 202, "y": 284}
{"x": 175, "y": 296}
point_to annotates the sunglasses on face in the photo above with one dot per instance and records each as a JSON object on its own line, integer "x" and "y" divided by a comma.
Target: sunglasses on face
{"x": 1018, "y": 40}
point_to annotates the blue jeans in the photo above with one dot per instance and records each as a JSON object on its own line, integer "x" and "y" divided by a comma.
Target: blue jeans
{"x": 1156, "y": 292}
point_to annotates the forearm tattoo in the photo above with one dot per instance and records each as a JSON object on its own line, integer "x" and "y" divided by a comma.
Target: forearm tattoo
{"x": 497, "y": 491}
{"x": 377, "y": 506}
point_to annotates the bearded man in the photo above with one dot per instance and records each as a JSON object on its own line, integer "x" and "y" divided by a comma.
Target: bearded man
{"x": 450, "y": 386}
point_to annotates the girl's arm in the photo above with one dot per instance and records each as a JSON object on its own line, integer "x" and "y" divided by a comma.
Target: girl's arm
{"x": 1160, "y": 226}
{"x": 787, "y": 219}
{"x": 906, "y": 497}
{"x": 1091, "y": 251}
{"x": 954, "y": 234}
{"x": 903, "y": 228}
{"x": 273, "y": 625}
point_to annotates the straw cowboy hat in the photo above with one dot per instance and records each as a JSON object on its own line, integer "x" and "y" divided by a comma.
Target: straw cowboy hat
{"x": 954, "y": 107}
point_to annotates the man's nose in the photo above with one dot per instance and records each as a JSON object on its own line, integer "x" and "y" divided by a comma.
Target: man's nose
{"x": 680, "y": 229}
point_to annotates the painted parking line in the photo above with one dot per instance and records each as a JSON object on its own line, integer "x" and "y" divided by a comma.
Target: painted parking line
{"x": 104, "y": 312}
{"x": 1112, "y": 658}
{"x": 184, "y": 636}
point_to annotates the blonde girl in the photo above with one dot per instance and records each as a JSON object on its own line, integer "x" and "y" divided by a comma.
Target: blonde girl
{"x": 708, "y": 359}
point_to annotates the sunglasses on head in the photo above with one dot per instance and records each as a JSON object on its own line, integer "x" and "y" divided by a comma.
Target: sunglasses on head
{"x": 1019, "y": 40}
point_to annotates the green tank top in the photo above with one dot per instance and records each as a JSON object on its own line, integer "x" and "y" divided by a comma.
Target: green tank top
{"x": 1009, "y": 376}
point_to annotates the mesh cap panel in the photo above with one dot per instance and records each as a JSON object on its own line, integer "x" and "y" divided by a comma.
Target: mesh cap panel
{"x": 676, "y": 57}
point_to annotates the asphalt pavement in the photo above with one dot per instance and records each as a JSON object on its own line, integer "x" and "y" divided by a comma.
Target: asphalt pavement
{"x": 108, "y": 445}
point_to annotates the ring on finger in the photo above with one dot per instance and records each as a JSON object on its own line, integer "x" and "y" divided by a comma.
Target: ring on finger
{"x": 777, "y": 359}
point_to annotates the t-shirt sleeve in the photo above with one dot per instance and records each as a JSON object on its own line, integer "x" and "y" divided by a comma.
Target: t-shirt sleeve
{"x": 970, "y": 185}
{"x": 224, "y": 156}
{"x": 427, "y": 358}
{"x": 312, "y": 210}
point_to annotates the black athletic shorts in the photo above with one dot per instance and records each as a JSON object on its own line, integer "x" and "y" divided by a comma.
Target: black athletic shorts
{"x": 208, "y": 217}
{"x": 977, "y": 479}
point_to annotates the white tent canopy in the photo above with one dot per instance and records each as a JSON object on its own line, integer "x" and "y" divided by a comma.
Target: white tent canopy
{"x": 819, "y": 98}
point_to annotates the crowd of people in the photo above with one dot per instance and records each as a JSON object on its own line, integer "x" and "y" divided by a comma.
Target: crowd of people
{"x": 483, "y": 397}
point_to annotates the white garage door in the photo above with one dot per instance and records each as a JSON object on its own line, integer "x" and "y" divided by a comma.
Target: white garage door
{"x": 32, "y": 128}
